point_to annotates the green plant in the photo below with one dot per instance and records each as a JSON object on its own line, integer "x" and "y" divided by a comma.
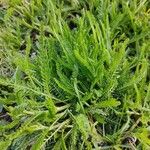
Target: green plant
{"x": 80, "y": 75}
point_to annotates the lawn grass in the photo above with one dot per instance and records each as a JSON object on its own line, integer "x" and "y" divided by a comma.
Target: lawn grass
{"x": 75, "y": 75}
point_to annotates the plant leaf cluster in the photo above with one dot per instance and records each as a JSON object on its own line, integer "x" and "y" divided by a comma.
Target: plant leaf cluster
{"x": 75, "y": 74}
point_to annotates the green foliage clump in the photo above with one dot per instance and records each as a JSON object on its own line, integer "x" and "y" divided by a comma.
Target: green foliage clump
{"x": 75, "y": 75}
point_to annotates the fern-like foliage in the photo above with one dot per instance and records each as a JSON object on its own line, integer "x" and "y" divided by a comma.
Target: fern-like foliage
{"x": 79, "y": 75}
